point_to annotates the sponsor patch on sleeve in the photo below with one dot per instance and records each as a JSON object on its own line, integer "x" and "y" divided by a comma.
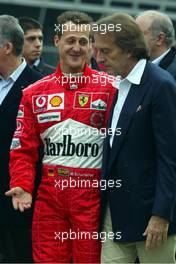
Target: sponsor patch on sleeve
{"x": 20, "y": 111}
{"x": 19, "y": 128}
{"x": 15, "y": 143}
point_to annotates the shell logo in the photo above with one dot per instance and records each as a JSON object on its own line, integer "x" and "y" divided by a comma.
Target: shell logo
{"x": 56, "y": 101}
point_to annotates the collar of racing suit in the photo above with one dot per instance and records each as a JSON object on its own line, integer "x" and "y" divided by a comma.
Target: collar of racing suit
{"x": 72, "y": 82}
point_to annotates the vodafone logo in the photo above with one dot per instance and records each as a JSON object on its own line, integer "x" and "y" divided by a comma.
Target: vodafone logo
{"x": 40, "y": 101}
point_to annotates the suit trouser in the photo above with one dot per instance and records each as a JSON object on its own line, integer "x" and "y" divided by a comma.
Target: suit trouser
{"x": 114, "y": 252}
{"x": 15, "y": 245}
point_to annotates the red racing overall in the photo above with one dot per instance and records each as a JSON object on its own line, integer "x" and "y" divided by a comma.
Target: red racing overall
{"x": 68, "y": 119}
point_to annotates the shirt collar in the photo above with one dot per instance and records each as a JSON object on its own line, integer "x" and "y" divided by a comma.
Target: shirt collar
{"x": 157, "y": 60}
{"x": 14, "y": 76}
{"x": 37, "y": 62}
{"x": 135, "y": 75}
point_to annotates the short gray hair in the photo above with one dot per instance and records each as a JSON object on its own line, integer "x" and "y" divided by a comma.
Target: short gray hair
{"x": 11, "y": 31}
{"x": 160, "y": 22}
{"x": 129, "y": 38}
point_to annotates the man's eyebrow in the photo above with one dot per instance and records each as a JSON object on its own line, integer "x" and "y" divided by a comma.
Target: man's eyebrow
{"x": 34, "y": 37}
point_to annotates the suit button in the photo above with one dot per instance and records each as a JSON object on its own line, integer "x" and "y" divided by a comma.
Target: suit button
{"x": 128, "y": 191}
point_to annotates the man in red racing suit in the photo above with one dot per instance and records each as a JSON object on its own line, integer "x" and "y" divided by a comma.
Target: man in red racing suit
{"x": 66, "y": 114}
{"x": 68, "y": 122}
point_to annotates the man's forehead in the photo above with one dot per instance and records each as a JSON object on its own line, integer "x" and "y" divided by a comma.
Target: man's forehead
{"x": 76, "y": 35}
{"x": 69, "y": 26}
{"x": 102, "y": 40}
{"x": 33, "y": 32}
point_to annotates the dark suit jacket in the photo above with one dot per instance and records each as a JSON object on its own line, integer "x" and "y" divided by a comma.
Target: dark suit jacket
{"x": 168, "y": 63}
{"x": 143, "y": 157}
{"x": 8, "y": 113}
{"x": 94, "y": 64}
{"x": 44, "y": 68}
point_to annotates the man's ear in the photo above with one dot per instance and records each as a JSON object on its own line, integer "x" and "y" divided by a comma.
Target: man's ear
{"x": 56, "y": 40}
{"x": 129, "y": 55}
{"x": 8, "y": 48}
{"x": 161, "y": 39}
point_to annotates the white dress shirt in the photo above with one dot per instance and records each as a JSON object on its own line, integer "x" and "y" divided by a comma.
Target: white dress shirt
{"x": 6, "y": 84}
{"x": 123, "y": 86}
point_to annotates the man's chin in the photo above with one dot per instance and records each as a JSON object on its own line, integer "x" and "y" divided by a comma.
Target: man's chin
{"x": 76, "y": 67}
{"x": 109, "y": 71}
{"x": 33, "y": 59}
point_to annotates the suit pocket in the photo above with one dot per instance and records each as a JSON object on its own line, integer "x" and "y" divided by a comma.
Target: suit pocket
{"x": 141, "y": 111}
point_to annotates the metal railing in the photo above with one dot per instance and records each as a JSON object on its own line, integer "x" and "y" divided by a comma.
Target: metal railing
{"x": 106, "y": 6}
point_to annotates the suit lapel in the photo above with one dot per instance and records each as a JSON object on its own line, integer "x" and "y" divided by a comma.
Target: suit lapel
{"x": 132, "y": 102}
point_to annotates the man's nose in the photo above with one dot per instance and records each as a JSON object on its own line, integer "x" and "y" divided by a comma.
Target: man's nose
{"x": 76, "y": 47}
{"x": 99, "y": 57}
{"x": 38, "y": 42}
